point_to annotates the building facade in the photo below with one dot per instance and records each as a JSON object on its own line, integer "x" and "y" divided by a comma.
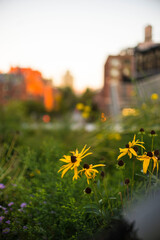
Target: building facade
{"x": 130, "y": 68}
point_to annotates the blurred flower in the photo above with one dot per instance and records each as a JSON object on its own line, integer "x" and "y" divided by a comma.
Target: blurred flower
{"x": 146, "y": 158}
{"x": 154, "y": 96}
{"x": 24, "y": 227}
{"x": 6, "y": 230}
{"x": 115, "y": 136}
{"x": 1, "y": 219}
{"x": 85, "y": 115}
{"x": 87, "y": 109}
{"x": 88, "y": 190}
{"x": 130, "y": 148}
{"x": 46, "y": 118}
{"x": 127, "y": 181}
{"x": 2, "y": 186}
{"x": 73, "y": 161}
{"x": 23, "y": 205}
{"x": 153, "y": 132}
{"x": 80, "y": 106}
{"x": 31, "y": 174}
{"x": 6, "y": 212}
{"x": 10, "y": 204}
{"x": 103, "y": 117}
{"x": 89, "y": 172}
{"x": 38, "y": 171}
{"x": 8, "y": 221}
{"x": 129, "y": 112}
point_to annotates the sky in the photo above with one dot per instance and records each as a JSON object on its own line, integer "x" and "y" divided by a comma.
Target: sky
{"x": 54, "y": 36}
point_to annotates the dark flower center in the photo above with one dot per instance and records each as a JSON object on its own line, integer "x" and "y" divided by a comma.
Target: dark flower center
{"x": 149, "y": 154}
{"x": 127, "y": 181}
{"x": 88, "y": 190}
{"x": 120, "y": 163}
{"x": 153, "y": 132}
{"x": 73, "y": 159}
{"x": 135, "y": 148}
{"x": 127, "y": 145}
{"x": 141, "y": 130}
{"x": 86, "y": 166}
{"x": 156, "y": 153}
{"x": 102, "y": 174}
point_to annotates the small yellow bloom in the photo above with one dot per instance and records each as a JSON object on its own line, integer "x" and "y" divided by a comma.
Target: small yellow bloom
{"x": 85, "y": 114}
{"x": 146, "y": 158}
{"x": 38, "y": 171}
{"x": 80, "y": 106}
{"x": 154, "y": 96}
{"x": 31, "y": 174}
{"x": 89, "y": 172}
{"x": 73, "y": 161}
{"x": 87, "y": 108}
{"x": 130, "y": 148}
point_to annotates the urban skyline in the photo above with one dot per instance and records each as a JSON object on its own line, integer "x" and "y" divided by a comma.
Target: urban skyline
{"x": 54, "y": 37}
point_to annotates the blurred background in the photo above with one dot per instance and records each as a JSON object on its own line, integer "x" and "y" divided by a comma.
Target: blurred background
{"x": 92, "y": 60}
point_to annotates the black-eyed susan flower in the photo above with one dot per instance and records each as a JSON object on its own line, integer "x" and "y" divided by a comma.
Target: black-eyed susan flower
{"x": 73, "y": 162}
{"x": 89, "y": 170}
{"x": 146, "y": 158}
{"x": 130, "y": 148}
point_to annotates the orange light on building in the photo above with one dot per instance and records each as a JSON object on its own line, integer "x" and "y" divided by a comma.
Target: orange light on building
{"x": 46, "y": 118}
{"x": 36, "y": 87}
{"x": 48, "y": 98}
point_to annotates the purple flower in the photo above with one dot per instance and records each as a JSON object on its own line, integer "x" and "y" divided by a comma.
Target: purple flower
{"x": 2, "y": 186}
{"x": 24, "y": 227}
{"x": 8, "y": 221}
{"x": 6, "y": 212}
{"x": 4, "y": 208}
{"x": 1, "y": 219}
{"x": 6, "y": 230}
{"x": 44, "y": 202}
{"x": 23, "y": 205}
{"x": 10, "y": 204}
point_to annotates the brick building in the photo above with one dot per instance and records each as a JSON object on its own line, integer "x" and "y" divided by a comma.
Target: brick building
{"x": 26, "y": 84}
{"x": 131, "y": 65}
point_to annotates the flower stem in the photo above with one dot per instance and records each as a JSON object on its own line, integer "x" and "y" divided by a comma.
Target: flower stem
{"x": 141, "y": 141}
{"x": 133, "y": 168}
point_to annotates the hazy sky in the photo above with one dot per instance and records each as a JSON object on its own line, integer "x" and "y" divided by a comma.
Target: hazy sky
{"x": 53, "y": 36}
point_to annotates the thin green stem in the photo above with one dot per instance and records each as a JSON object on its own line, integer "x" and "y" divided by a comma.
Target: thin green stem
{"x": 141, "y": 141}
{"x": 133, "y": 168}
{"x": 109, "y": 204}
{"x": 94, "y": 214}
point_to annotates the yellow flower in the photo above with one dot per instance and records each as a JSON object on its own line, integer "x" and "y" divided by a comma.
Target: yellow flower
{"x": 89, "y": 171}
{"x": 154, "y": 96}
{"x": 87, "y": 108}
{"x": 146, "y": 157}
{"x": 85, "y": 114}
{"x": 130, "y": 148}
{"x": 73, "y": 161}
{"x": 38, "y": 171}
{"x": 80, "y": 106}
{"x": 31, "y": 174}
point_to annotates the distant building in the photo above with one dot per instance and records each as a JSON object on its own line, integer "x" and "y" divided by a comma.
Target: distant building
{"x": 26, "y": 84}
{"x": 130, "y": 64}
{"x": 67, "y": 80}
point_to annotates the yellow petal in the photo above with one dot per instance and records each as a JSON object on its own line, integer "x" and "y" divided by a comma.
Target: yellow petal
{"x": 121, "y": 155}
{"x": 86, "y": 155}
{"x": 99, "y": 165}
{"x": 133, "y": 151}
{"x": 146, "y": 164}
{"x": 64, "y": 171}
